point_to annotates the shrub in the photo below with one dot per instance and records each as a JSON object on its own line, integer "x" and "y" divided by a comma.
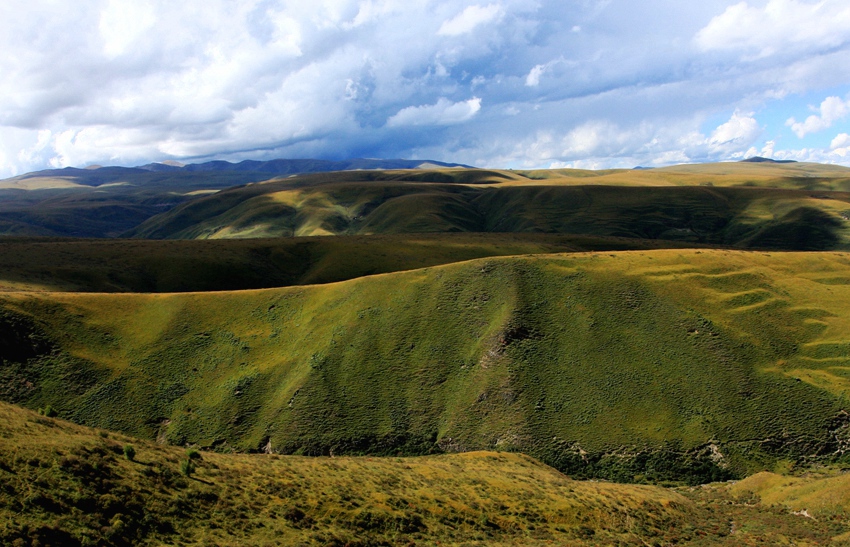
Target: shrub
{"x": 129, "y": 452}
{"x": 187, "y": 467}
{"x": 48, "y": 411}
{"x": 193, "y": 454}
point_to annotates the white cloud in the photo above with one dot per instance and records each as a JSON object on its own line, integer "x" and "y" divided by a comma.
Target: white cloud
{"x": 736, "y": 134}
{"x": 533, "y": 78}
{"x": 767, "y": 151}
{"x": 443, "y": 112}
{"x": 123, "y": 23}
{"x": 34, "y": 153}
{"x": 536, "y": 72}
{"x": 127, "y": 82}
{"x": 840, "y": 145}
{"x": 831, "y": 110}
{"x": 776, "y": 27}
{"x": 470, "y": 18}
{"x": 841, "y": 140}
{"x": 608, "y": 144}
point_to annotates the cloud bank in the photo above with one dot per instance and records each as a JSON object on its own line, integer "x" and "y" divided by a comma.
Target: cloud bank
{"x": 510, "y": 83}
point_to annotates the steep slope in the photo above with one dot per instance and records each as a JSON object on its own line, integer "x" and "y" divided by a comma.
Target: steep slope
{"x": 687, "y": 365}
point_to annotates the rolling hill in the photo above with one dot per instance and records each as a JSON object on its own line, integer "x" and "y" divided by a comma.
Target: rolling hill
{"x": 119, "y": 265}
{"x": 451, "y": 314}
{"x": 108, "y": 201}
{"x": 796, "y": 206}
{"x": 66, "y": 485}
{"x": 682, "y": 365}
{"x": 488, "y": 201}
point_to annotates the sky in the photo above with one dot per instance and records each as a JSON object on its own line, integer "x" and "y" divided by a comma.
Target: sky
{"x": 503, "y": 84}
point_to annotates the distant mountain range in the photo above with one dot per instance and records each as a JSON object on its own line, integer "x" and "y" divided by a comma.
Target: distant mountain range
{"x": 270, "y": 168}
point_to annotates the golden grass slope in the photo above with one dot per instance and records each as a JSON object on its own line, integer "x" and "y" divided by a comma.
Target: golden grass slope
{"x": 66, "y": 485}
{"x": 820, "y": 493}
{"x": 799, "y": 176}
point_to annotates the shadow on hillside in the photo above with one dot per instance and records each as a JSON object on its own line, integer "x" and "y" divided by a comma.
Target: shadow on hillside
{"x": 803, "y": 229}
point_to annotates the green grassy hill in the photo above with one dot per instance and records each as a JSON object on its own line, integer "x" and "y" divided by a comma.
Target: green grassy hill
{"x": 120, "y": 265}
{"x": 66, "y": 485}
{"x": 656, "y": 365}
{"x": 100, "y": 203}
{"x": 773, "y": 218}
{"x": 743, "y": 204}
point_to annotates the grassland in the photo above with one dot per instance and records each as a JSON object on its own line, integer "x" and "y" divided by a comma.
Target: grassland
{"x": 680, "y": 365}
{"x": 447, "y": 314}
{"x": 112, "y": 265}
{"x": 788, "y": 176}
{"x": 100, "y": 203}
{"x": 790, "y": 206}
{"x": 381, "y": 203}
{"x": 64, "y": 484}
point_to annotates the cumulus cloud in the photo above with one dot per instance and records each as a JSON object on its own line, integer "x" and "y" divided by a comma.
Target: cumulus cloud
{"x": 121, "y": 24}
{"x": 443, "y": 112}
{"x": 470, "y": 18}
{"x": 777, "y": 26}
{"x": 533, "y": 78}
{"x": 831, "y": 110}
{"x": 609, "y": 144}
{"x": 739, "y": 132}
{"x": 537, "y": 71}
{"x": 128, "y": 82}
{"x": 840, "y": 145}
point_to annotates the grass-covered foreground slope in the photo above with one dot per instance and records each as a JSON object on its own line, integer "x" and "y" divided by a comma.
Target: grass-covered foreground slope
{"x": 375, "y": 203}
{"x": 120, "y": 265}
{"x": 685, "y": 365}
{"x": 66, "y": 485}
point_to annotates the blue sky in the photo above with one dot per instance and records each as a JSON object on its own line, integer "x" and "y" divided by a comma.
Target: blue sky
{"x": 503, "y": 83}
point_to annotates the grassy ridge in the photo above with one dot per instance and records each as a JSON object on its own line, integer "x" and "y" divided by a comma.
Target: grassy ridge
{"x": 685, "y": 365}
{"x": 102, "y": 202}
{"x": 110, "y": 265}
{"x": 789, "y": 176}
{"x": 68, "y": 485}
{"x": 73, "y": 486}
{"x": 746, "y": 217}
{"x": 108, "y": 202}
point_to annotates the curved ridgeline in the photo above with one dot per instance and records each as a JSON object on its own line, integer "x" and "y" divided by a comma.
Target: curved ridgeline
{"x": 746, "y": 217}
{"x": 690, "y": 365}
{"x": 747, "y": 205}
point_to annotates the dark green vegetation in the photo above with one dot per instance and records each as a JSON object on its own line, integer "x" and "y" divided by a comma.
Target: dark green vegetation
{"x": 639, "y": 366}
{"x": 65, "y": 485}
{"x": 110, "y": 265}
{"x": 489, "y": 201}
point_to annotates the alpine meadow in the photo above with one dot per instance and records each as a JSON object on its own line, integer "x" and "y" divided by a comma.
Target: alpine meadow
{"x": 420, "y": 354}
